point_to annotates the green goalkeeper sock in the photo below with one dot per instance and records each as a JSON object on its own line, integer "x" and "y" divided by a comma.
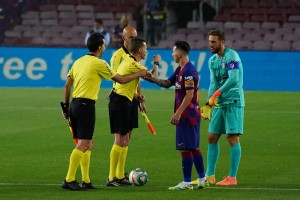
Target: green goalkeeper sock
{"x": 235, "y": 157}
{"x": 212, "y": 158}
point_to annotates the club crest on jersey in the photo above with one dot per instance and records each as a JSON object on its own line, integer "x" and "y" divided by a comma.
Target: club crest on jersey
{"x": 177, "y": 86}
{"x": 223, "y": 65}
{"x": 233, "y": 65}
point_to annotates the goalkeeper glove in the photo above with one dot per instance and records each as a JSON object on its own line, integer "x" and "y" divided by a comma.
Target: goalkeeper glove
{"x": 213, "y": 101}
{"x": 206, "y": 112}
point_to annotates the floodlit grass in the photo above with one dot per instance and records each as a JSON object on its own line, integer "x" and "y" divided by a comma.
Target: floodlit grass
{"x": 36, "y": 145}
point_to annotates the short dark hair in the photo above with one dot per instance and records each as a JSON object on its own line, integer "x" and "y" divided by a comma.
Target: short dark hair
{"x": 135, "y": 44}
{"x": 99, "y": 21}
{"x": 183, "y": 46}
{"x": 94, "y": 41}
{"x": 216, "y": 32}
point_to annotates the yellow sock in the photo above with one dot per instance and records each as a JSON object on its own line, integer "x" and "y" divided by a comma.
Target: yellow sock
{"x": 85, "y": 166}
{"x": 121, "y": 163}
{"x": 75, "y": 159}
{"x": 114, "y": 158}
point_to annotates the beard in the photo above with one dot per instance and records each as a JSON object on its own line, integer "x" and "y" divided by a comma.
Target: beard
{"x": 216, "y": 49}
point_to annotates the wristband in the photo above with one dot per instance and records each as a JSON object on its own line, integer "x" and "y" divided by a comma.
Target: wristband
{"x": 156, "y": 63}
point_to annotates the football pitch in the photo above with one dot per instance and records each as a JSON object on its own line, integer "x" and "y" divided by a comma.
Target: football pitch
{"x": 36, "y": 145}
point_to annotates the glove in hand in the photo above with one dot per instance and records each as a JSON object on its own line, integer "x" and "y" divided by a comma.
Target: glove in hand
{"x": 206, "y": 112}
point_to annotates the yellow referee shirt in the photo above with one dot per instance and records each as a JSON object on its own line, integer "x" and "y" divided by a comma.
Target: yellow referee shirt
{"x": 128, "y": 66}
{"x": 118, "y": 57}
{"x": 87, "y": 73}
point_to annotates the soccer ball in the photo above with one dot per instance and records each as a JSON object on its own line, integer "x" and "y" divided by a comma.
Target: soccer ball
{"x": 138, "y": 177}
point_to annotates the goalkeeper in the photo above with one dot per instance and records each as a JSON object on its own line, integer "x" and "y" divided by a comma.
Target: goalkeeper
{"x": 227, "y": 97}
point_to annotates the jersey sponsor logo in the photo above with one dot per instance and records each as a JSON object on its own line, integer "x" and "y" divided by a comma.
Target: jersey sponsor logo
{"x": 188, "y": 78}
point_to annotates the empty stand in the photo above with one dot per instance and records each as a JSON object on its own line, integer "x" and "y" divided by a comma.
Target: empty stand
{"x": 242, "y": 44}
{"x": 281, "y": 45}
{"x": 262, "y": 45}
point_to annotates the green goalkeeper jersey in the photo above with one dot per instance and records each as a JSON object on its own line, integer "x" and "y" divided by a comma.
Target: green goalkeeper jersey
{"x": 226, "y": 74}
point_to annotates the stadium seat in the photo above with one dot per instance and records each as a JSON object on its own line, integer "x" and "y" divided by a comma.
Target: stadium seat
{"x": 49, "y": 18}
{"x": 284, "y": 30}
{"x": 213, "y": 25}
{"x": 194, "y": 37}
{"x": 294, "y": 18}
{"x": 240, "y": 17}
{"x": 59, "y": 42}
{"x": 242, "y": 45}
{"x": 249, "y": 4}
{"x": 175, "y": 37}
{"x": 21, "y": 28}
{"x": 51, "y": 34}
{"x": 272, "y": 37}
{"x": 262, "y": 45}
{"x": 234, "y": 37}
{"x": 231, "y": 3}
{"x": 165, "y": 44}
{"x": 251, "y": 25}
{"x": 202, "y": 44}
{"x": 272, "y": 26}
{"x": 292, "y": 25}
{"x": 77, "y": 42}
{"x": 196, "y": 25}
{"x": 40, "y": 41}
{"x": 47, "y": 7}
{"x": 277, "y": 18}
{"x": 31, "y": 34}
{"x": 105, "y": 15}
{"x": 296, "y": 45}
{"x": 286, "y": 4}
{"x": 291, "y": 37}
{"x": 223, "y": 17}
{"x": 259, "y": 18}
{"x": 13, "y": 34}
{"x": 232, "y": 25}
{"x": 252, "y": 37}
{"x": 281, "y": 45}
{"x": 267, "y": 4}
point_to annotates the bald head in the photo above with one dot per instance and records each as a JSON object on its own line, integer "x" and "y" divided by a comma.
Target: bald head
{"x": 129, "y": 32}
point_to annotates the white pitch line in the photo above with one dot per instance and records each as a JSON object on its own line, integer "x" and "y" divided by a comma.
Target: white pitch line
{"x": 215, "y": 188}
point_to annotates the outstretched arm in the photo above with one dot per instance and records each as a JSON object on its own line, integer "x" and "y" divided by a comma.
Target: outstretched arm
{"x": 122, "y": 79}
{"x": 161, "y": 82}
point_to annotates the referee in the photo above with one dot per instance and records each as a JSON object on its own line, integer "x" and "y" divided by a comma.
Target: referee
{"x": 120, "y": 108}
{"x": 85, "y": 76}
{"x": 129, "y": 32}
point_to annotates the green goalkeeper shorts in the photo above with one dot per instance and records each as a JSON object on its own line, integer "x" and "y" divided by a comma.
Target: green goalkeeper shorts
{"x": 227, "y": 120}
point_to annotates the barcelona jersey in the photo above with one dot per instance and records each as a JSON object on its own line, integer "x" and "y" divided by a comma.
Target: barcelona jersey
{"x": 184, "y": 79}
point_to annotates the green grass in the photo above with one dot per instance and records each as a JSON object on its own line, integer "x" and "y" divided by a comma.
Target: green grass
{"x": 36, "y": 145}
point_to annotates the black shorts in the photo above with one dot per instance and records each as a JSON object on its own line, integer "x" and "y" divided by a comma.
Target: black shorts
{"x": 119, "y": 114}
{"x": 83, "y": 117}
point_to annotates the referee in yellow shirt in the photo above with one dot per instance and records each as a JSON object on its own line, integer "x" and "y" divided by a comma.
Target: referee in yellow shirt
{"x": 129, "y": 32}
{"x": 120, "y": 106}
{"x": 85, "y": 76}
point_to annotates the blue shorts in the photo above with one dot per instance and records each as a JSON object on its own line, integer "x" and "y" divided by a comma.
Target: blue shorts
{"x": 187, "y": 137}
{"x": 227, "y": 120}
